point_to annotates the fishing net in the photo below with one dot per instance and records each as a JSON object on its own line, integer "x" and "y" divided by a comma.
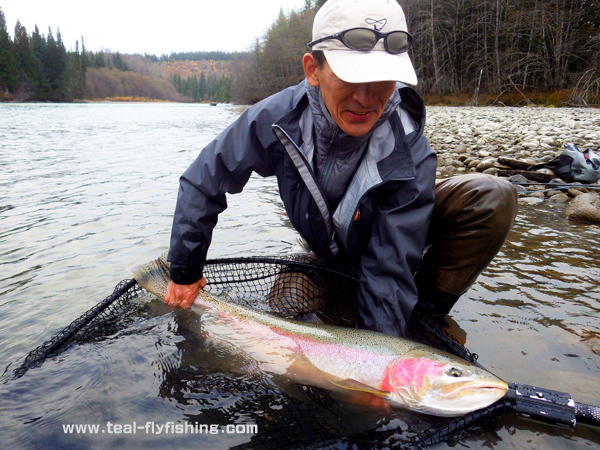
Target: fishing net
{"x": 293, "y": 287}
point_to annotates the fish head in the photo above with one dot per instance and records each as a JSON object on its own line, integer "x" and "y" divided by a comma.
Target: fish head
{"x": 441, "y": 384}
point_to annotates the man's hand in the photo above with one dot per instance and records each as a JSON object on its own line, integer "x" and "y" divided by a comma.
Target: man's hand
{"x": 183, "y": 295}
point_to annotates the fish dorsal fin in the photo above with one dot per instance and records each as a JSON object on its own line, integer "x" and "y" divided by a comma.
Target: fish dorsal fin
{"x": 353, "y": 385}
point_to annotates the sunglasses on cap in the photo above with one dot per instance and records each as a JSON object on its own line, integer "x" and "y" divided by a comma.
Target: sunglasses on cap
{"x": 364, "y": 40}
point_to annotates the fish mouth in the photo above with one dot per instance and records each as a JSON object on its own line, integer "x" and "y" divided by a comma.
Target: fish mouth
{"x": 469, "y": 387}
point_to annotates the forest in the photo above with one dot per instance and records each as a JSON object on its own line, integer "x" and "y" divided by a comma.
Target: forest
{"x": 513, "y": 52}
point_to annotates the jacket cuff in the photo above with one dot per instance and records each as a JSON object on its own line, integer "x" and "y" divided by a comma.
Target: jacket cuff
{"x": 184, "y": 275}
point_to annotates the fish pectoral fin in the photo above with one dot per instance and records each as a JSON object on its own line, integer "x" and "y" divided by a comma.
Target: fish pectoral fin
{"x": 353, "y": 385}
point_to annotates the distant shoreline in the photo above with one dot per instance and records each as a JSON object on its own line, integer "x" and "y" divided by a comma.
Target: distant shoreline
{"x": 111, "y": 100}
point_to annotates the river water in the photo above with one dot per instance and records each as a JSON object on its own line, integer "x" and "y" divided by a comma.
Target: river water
{"x": 87, "y": 190}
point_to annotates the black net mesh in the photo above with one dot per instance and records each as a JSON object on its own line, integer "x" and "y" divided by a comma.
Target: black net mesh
{"x": 98, "y": 321}
{"x": 293, "y": 287}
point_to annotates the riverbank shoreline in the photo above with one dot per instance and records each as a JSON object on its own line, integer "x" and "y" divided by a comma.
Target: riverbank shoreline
{"x": 471, "y": 139}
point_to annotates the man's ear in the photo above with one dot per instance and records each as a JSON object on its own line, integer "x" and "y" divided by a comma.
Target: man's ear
{"x": 311, "y": 69}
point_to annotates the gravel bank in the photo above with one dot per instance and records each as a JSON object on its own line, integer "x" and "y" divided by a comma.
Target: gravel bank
{"x": 470, "y": 139}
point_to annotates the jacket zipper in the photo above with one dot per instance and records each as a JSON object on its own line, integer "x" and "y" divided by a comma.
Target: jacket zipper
{"x": 331, "y": 157}
{"x": 325, "y": 214}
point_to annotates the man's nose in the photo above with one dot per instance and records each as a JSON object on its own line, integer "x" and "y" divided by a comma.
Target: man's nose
{"x": 364, "y": 94}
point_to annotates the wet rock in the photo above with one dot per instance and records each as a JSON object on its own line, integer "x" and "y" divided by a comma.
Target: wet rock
{"x": 592, "y": 340}
{"x": 518, "y": 179}
{"x": 536, "y": 187}
{"x": 584, "y": 207}
{"x": 559, "y": 198}
{"x": 537, "y": 194}
{"x": 594, "y": 345}
{"x": 574, "y": 192}
{"x": 530, "y": 200}
{"x": 486, "y": 164}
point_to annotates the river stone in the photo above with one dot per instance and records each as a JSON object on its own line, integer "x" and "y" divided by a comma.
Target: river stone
{"x": 559, "y": 198}
{"x": 584, "y": 207}
{"x": 518, "y": 179}
{"x": 594, "y": 345}
{"x": 574, "y": 192}
{"x": 486, "y": 164}
{"x": 530, "y": 144}
{"x": 536, "y": 187}
{"x": 530, "y": 200}
{"x": 537, "y": 194}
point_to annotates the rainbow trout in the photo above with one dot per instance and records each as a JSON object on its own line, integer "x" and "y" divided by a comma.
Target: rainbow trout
{"x": 403, "y": 372}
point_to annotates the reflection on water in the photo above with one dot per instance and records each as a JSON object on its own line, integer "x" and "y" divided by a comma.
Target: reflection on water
{"x": 87, "y": 190}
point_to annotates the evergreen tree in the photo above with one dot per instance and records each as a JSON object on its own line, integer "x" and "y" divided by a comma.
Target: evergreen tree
{"x": 76, "y": 74}
{"x": 118, "y": 62}
{"x": 39, "y": 56}
{"x": 25, "y": 63}
{"x": 194, "y": 88}
{"x": 99, "y": 60}
{"x": 202, "y": 86}
{"x": 85, "y": 57}
{"x": 8, "y": 65}
{"x": 55, "y": 66}
{"x": 59, "y": 67}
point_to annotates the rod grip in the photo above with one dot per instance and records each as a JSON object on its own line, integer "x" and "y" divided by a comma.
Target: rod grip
{"x": 587, "y": 414}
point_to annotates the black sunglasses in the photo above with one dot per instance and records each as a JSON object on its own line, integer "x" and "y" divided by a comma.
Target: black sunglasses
{"x": 364, "y": 40}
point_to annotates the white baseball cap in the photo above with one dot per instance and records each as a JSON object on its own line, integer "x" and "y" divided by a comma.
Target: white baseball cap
{"x": 355, "y": 66}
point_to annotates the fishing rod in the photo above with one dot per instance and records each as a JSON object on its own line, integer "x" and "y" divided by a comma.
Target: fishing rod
{"x": 564, "y": 185}
{"x": 543, "y": 405}
{"x": 555, "y": 186}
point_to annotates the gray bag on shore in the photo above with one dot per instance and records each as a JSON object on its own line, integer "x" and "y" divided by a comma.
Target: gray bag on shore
{"x": 574, "y": 165}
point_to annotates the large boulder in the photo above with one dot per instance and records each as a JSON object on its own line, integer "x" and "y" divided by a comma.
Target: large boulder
{"x": 584, "y": 207}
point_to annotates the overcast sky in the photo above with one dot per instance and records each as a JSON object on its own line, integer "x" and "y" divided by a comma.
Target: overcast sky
{"x": 150, "y": 27}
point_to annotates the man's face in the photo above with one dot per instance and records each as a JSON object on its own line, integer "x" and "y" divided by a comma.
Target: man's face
{"x": 355, "y": 107}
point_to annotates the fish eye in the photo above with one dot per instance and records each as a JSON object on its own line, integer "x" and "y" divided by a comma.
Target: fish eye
{"x": 454, "y": 372}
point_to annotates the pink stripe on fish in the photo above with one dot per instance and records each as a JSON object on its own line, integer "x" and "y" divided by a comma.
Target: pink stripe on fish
{"x": 411, "y": 371}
